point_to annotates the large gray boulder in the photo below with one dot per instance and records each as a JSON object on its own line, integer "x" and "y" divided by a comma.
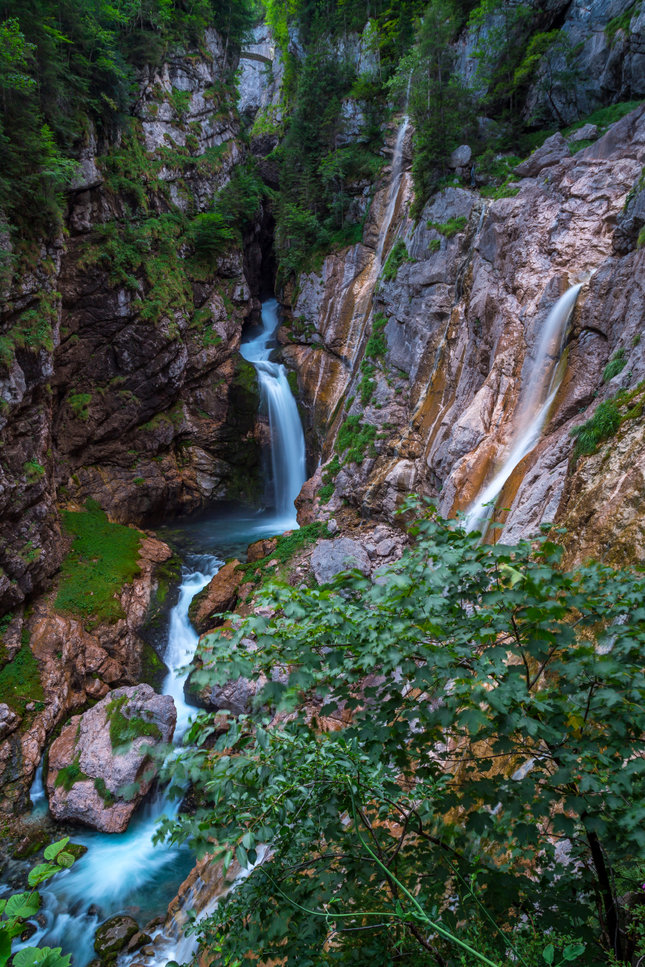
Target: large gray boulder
{"x": 100, "y": 766}
{"x": 551, "y": 153}
{"x": 333, "y": 557}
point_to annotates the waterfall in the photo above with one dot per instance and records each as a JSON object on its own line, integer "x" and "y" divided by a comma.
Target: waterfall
{"x": 287, "y": 438}
{"x": 535, "y": 403}
{"x": 395, "y": 184}
{"x": 128, "y": 871}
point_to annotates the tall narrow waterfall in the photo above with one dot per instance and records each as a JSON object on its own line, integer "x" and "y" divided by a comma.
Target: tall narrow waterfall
{"x": 395, "y": 184}
{"x": 123, "y": 872}
{"x": 287, "y": 439}
{"x": 535, "y": 403}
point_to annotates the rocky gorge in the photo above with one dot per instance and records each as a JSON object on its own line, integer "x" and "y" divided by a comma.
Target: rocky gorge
{"x": 140, "y": 421}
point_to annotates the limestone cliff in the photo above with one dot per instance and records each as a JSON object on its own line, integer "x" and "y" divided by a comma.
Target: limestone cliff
{"x": 460, "y": 322}
{"x": 120, "y": 377}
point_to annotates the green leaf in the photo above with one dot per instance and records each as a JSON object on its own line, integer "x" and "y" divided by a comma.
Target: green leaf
{"x": 52, "y": 851}
{"x": 573, "y": 951}
{"x": 5, "y": 946}
{"x": 549, "y": 953}
{"x": 41, "y": 957}
{"x": 65, "y": 860}
{"x": 23, "y": 905}
{"x": 42, "y": 872}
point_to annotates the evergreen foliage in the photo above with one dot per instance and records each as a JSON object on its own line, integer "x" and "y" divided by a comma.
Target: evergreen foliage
{"x": 64, "y": 63}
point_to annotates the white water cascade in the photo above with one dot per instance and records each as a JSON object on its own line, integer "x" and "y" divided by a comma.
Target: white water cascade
{"x": 395, "y": 185}
{"x": 287, "y": 438}
{"x": 128, "y": 872}
{"x": 534, "y": 406}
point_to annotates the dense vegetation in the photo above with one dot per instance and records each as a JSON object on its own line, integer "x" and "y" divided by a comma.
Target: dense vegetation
{"x": 66, "y": 64}
{"x": 459, "y": 779}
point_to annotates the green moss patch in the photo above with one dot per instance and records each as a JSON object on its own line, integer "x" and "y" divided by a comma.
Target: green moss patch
{"x": 377, "y": 343}
{"x": 124, "y": 729}
{"x": 450, "y": 228}
{"x": 102, "y": 560}
{"x": 68, "y": 776}
{"x": 287, "y": 546}
{"x": 20, "y": 680}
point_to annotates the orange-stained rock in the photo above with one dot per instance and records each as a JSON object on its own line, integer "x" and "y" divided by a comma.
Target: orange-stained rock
{"x": 219, "y": 596}
{"x": 260, "y": 549}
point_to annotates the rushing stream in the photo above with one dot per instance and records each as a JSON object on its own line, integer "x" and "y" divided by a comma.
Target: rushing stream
{"x": 127, "y": 873}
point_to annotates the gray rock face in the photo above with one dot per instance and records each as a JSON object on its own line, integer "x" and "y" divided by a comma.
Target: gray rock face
{"x": 9, "y": 721}
{"x": 260, "y": 75}
{"x": 630, "y": 223}
{"x": 552, "y": 152}
{"x": 461, "y": 156}
{"x": 610, "y": 64}
{"x": 99, "y": 766}
{"x": 333, "y": 557}
{"x": 588, "y": 132}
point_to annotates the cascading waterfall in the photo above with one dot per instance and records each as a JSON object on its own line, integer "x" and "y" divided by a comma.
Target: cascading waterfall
{"x": 121, "y": 872}
{"x": 287, "y": 437}
{"x": 535, "y": 404}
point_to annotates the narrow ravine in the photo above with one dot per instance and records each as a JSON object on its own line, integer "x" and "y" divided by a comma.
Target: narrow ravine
{"x": 128, "y": 873}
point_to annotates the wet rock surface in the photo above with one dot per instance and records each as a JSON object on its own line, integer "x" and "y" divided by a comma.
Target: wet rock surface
{"x": 113, "y": 936}
{"x": 99, "y": 768}
{"x": 218, "y": 597}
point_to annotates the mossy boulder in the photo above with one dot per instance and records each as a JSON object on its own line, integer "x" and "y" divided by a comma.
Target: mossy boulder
{"x": 99, "y": 767}
{"x": 113, "y": 936}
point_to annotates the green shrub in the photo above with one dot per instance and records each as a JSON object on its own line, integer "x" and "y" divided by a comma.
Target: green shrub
{"x": 450, "y": 228}
{"x": 355, "y": 439}
{"x": 615, "y": 365}
{"x": 102, "y": 560}
{"x": 434, "y": 245}
{"x": 601, "y": 426}
{"x": 79, "y": 403}
{"x": 398, "y": 255}
{"x": 377, "y": 343}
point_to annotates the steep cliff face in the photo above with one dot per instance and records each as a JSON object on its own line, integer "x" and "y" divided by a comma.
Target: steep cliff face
{"x": 122, "y": 379}
{"x": 454, "y": 340}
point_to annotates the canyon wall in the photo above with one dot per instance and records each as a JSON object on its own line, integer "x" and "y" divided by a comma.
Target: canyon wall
{"x": 460, "y": 323}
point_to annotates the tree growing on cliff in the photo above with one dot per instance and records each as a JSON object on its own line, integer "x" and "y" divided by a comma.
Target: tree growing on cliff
{"x": 438, "y": 101}
{"x": 457, "y": 762}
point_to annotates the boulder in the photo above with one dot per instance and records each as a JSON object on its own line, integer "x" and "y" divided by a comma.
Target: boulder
{"x": 261, "y": 549}
{"x": 100, "y": 767}
{"x": 461, "y": 156}
{"x": 551, "y": 153}
{"x": 333, "y": 557}
{"x": 235, "y": 696}
{"x": 219, "y": 596}
{"x": 588, "y": 132}
{"x": 113, "y": 935}
{"x": 9, "y": 720}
